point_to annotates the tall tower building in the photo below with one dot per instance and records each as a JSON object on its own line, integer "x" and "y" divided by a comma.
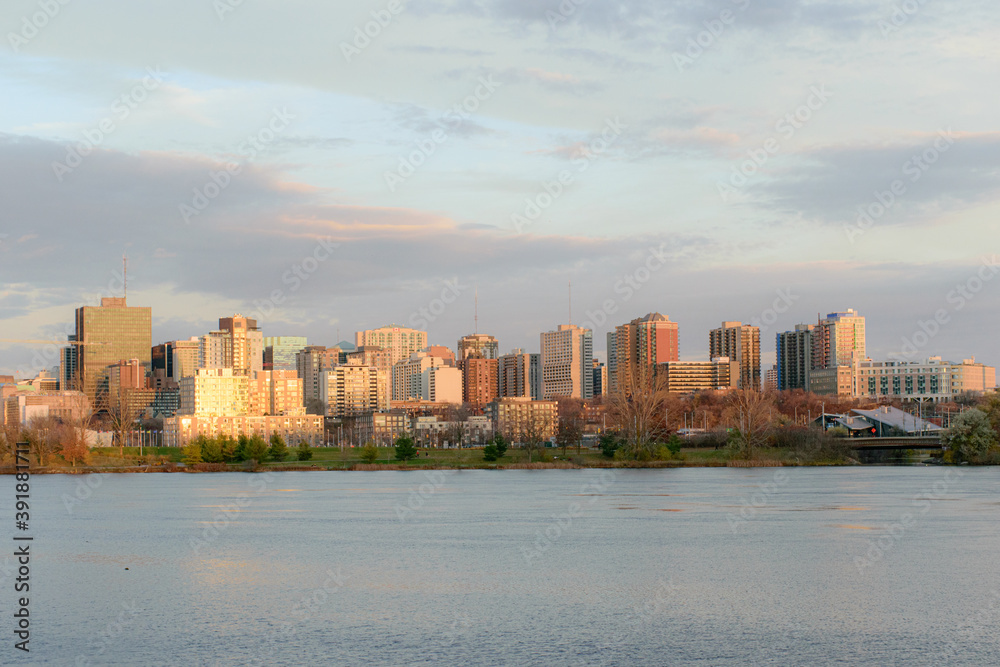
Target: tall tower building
{"x": 480, "y": 345}
{"x": 480, "y": 383}
{"x": 280, "y": 351}
{"x": 567, "y": 361}
{"x": 741, "y": 343}
{"x": 838, "y": 340}
{"x": 111, "y": 332}
{"x": 520, "y": 375}
{"x": 646, "y": 341}
{"x": 794, "y": 356}
{"x": 400, "y": 341}
{"x": 311, "y": 363}
{"x": 246, "y": 344}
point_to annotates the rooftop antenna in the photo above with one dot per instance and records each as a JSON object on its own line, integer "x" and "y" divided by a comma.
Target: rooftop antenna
{"x": 125, "y": 276}
{"x": 571, "y": 302}
{"x": 477, "y": 310}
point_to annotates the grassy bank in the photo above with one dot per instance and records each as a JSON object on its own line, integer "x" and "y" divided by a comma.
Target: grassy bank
{"x": 169, "y": 459}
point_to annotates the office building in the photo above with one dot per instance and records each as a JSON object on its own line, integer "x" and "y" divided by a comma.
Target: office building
{"x": 480, "y": 345}
{"x": 280, "y": 351}
{"x": 110, "y": 333}
{"x": 688, "y": 377}
{"x": 310, "y": 365}
{"x": 246, "y": 344}
{"x": 567, "y": 361}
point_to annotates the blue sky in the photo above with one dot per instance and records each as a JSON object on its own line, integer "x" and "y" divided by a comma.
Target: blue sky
{"x": 647, "y": 111}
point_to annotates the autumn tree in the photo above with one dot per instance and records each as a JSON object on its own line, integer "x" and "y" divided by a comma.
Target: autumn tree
{"x": 749, "y": 414}
{"x": 637, "y": 408}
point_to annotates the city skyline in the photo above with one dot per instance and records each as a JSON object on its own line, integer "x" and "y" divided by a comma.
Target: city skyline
{"x": 556, "y": 142}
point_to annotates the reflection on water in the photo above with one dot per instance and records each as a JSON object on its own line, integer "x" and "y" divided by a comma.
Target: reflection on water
{"x": 653, "y": 570}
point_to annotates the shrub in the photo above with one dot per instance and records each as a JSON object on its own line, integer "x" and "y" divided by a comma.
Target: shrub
{"x": 304, "y": 452}
{"x": 369, "y": 453}
{"x": 490, "y": 453}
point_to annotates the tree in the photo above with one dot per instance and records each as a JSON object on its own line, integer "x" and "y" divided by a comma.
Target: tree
{"x": 122, "y": 411}
{"x": 637, "y": 408}
{"x": 500, "y": 443}
{"x": 230, "y": 449}
{"x": 404, "y": 448}
{"x": 211, "y": 449}
{"x": 970, "y": 436}
{"x": 192, "y": 454}
{"x": 369, "y": 453}
{"x": 490, "y": 453}
{"x": 256, "y": 448}
{"x": 569, "y": 433}
{"x": 278, "y": 450}
{"x": 609, "y": 444}
{"x": 303, "y": 451}
{"x": 749, "y": 413}
{"x": 532, "y": 435}
{"x": 241, "y": 453}
{"x": 75, "y": 450}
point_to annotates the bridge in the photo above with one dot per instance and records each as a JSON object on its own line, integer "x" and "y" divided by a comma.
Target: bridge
{"x": 931, "y": 442}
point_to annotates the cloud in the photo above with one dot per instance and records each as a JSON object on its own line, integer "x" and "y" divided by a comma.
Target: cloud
{"x": 937, "y": 172}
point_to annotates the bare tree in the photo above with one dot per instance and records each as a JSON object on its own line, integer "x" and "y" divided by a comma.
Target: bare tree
{"x": 121, "y": 412}
{"x": 532, "y": 435}
{"x": 637, "y": 408}
{"x": 749, "y": 412}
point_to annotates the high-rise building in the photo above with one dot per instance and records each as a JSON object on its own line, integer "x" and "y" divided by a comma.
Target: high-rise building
{"x": 480, "y": 345}
{"x": 520, "y": 375}
{"x": 426, "y": 377}
{"x": 280, "y": 351}
{"x": 400, "y": 341}
{"x": 349, "y": 390}
{"x": 214, "y": 350}
{"x": 311, "y": 363}
{"x": 567, "y": 362}
{"x": 182, "y": 358}
{"x": 645, "y": 341}
{"x": 246, "y": 346}
{"x": 600, "y": 378}
{"x": 479, "y": 380}
{"x": 771, "y": 379}
{"x": 276, "y": 393}
{"x": 688, "y": 377}
{"x": 217, "y": 392}
{"x": 838, "y": 340}
{"x": 69, "y": 378}
{"x": 794, "y": 357}
{"x": 741, "y": 343}
{"x": 111, "y": 332}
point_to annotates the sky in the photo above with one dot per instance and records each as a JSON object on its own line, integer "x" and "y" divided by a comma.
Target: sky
{"x": 328, "y": 167}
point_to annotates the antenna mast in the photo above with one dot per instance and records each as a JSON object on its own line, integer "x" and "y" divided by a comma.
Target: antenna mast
{"x": 125, "y": 276}
{"x": 477, "y": 310}
{"x": 571, "y": 302}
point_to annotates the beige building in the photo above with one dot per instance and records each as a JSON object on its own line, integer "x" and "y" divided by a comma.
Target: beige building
{"x": 477, "y": 345}
{"x": 517, "y": 418}
{"x": 216, "y": 392}
{"x": 741, "y": 343}
{"x": 400, "y": 341}
{"x": 426, "y": 377}
{"x": 276, "y": 393}
{"x": 311, "y": 363}
{"x": 931, "y": 380}
{"x": 838, "y": 340}
{"x": 688, "y": 377}
{"x": 353, "y": 389}
{"x": 246, "y": 344}
{"x": 24, "y": 405}
{"x": 180, "y": 430}
{"x": 567, "y": 363}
